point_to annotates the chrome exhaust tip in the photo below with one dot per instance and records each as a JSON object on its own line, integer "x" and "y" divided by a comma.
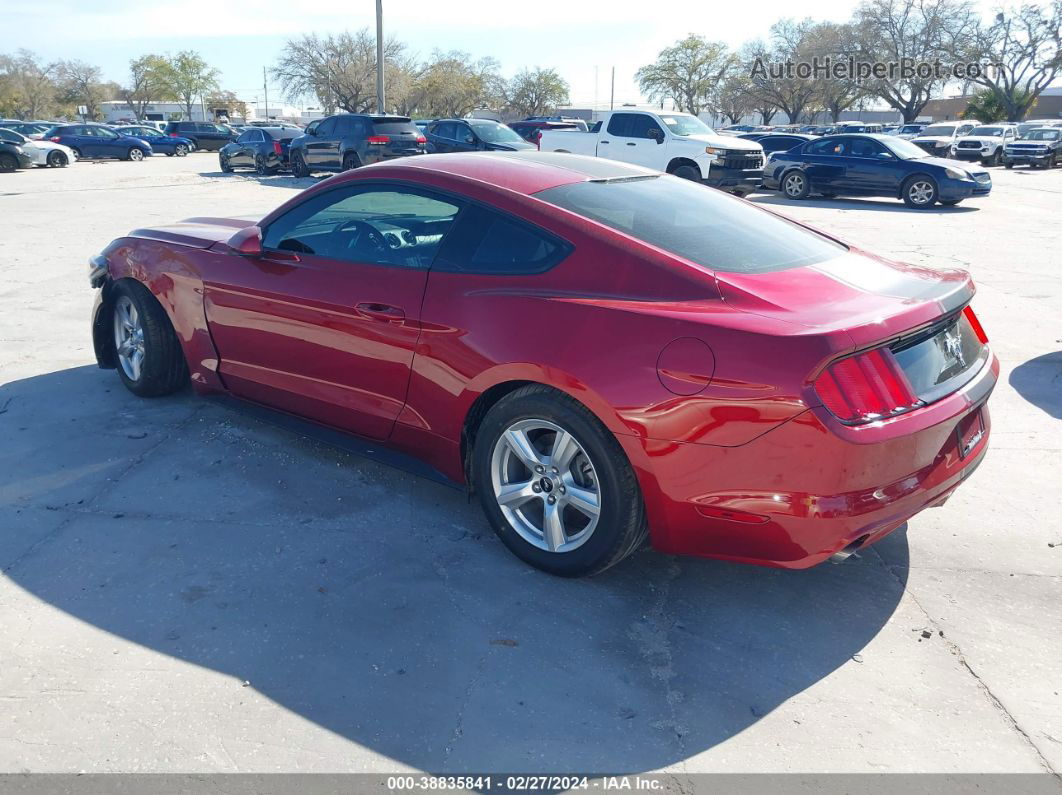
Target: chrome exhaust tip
{"x": 841, "y": 555}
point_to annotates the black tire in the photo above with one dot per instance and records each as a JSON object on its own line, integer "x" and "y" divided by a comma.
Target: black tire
{"x": 298, "y": 165}
{"x": 262, "y": 168}
{"x": 57, "y": 159}
{"x": 8, "y": 162}
{"x": 794, "y": 185}
{"x": 77, "y": 152}
{"x": 622, "y": 526}
{"x": 1008, "y": 165}
{"x": 136, "y": 154}
{"x": 997, "y": 158}
{"x": 350, "y": 161}
{"x": 917, "y": 186}
{"x": 169, "y": 154}
{"x": 687, "y": 172}
{"x": 829, "y": 195}
{"x": 180, "y": 150}
{"x": 950, "y": 202}
{"x": 195, "y": 144}
{"x": 164, "y": 369}
{"x": 1053, "y": 161}
{"x": 225, "y": 167}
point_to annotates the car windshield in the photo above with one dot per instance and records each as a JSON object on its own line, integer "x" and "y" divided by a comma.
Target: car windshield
{"x": 1043, "y": 135}
{"x": 911, "y": 128}
{"x": 990, "y": 132}
{"x": 686, "y": 125}
{"x": 703, "y": 226}
{"x": 942, "y": 130}
{"x": 904, "y": 149}
{"x": 494, "y": 133}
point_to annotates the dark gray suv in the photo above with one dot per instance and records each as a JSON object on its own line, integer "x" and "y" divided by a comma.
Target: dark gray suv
{"x": 205, "y": 135}
{"x": 349, "y": 140}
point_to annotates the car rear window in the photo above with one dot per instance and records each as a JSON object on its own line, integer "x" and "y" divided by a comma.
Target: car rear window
{"x": 284, "y": 134}
{"x": 697, "y": 223}
{"x": 394, "y": 126}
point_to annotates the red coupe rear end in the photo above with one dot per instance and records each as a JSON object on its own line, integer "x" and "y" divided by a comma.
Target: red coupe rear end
{"x": 600, "y": 351}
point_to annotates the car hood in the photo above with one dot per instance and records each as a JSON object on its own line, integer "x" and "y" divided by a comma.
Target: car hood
{"x": 512, "y": 146}
{"x": 47, "y": 146}
{"x": 982, "y": 139}
{"x": 856, "y": 296}
{"x": 195, "y": 232}
{"x": 937, "y": 139}
{"x": 723, "y": 141}
{"x": 945, "y": 162}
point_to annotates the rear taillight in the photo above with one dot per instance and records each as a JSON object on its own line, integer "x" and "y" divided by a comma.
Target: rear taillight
{"x": 421, "y": 139}
{"x": 975, "y": 324}
{"x": 277, "y": 148}
{"x": 378, "y": 139}
{"x": 55, "y": 139}
{"x": 865, "y": 387}
{"x": 174, "y": 135}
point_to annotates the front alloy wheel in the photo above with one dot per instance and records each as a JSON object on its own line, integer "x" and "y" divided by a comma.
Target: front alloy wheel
{"x": 180, "y": 150}
{"x": 136, "y": 155}
{"x": 128, "y": 338}
{"x": 920, "y": 193}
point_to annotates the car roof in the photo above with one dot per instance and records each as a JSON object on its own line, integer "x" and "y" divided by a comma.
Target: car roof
{"x": 525, "y": 172}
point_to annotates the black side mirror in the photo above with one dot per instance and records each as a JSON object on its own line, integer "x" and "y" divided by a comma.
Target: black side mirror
{"x": 656, "y": 135}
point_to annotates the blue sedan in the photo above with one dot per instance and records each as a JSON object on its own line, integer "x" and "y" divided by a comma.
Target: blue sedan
{"x": 168, "y": 145}
{"x": 97, "y": 140}
{"x": 873, "y": 165}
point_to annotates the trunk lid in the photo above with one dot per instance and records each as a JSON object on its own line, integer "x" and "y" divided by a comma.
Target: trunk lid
{"x": 869, "y": 299}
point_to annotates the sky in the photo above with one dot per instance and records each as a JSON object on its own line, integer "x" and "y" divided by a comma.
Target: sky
{"x": 582, "y": 40}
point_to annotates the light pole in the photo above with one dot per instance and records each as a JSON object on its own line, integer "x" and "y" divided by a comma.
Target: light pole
{"x": 379, "y": 58}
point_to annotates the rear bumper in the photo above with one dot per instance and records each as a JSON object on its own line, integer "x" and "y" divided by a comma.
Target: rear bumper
{"x": 806, "y": 489}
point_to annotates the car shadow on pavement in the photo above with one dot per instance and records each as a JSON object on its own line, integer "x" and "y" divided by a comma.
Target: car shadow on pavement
{"x": 271, "y": 181}
{"x": 379, "y": 605}
{"x": 1039, "y": 381}
{"x": 878, "y": 205}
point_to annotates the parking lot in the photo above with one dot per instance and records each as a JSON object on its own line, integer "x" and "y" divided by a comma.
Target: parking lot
{"x": 186, "y": 588}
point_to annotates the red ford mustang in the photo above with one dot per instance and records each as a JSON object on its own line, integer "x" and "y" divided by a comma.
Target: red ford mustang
{"x": 601, "y": 352}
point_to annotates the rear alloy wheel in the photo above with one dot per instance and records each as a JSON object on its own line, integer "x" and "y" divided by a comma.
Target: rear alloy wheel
{"x": 920, "y": 192}
{"x": 8, "y": 162}
{"x": 180, "y": 150}
{"x": 57, "y": 159}
{"x": 260, "y": 166}
{"x": 350, "y": 161}
{"x": 997, "y": 158}
{"x": 136, "y": 155}
{"x": 795, "y": 185}
{"x": 298, "y": 165}
{"x": 225, "y": 167}
{"x": 147, "y": 353}
{"x": 555, "y": 484}
{"x": 77, "y": 152}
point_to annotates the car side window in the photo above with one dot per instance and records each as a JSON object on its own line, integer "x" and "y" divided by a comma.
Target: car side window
{"x": 643, "y": 125}
{"x": 486, "y": 241}
{"x": 619, "y": 124}
{"x": 7, "y": 135}
{"x": 243, "y": 139}
{"x": 327, "y": 127}
{"x": 377, "y": 225}
{"x": 464, "y": 134}
{"x": 863, "y": 147}
{"x": 828, "y": 147}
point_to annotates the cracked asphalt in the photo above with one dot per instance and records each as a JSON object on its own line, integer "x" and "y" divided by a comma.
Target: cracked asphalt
{"x": 187, "y": 589}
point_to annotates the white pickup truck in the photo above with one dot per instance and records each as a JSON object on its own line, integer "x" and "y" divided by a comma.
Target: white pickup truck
{"x": 678, "y": 143}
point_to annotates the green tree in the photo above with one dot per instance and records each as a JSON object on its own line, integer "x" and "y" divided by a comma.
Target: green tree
{"x": 81, "y": 83}
{"x": 689, "y": 73}
{"x": 1023, "y": 48}
{"x": 188, "y": 77}
{"x": 535, "y": 92}
{"x": 27, "y": 86}
{"x": 147, "y": 83}
{"x": 987, "y": 107}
